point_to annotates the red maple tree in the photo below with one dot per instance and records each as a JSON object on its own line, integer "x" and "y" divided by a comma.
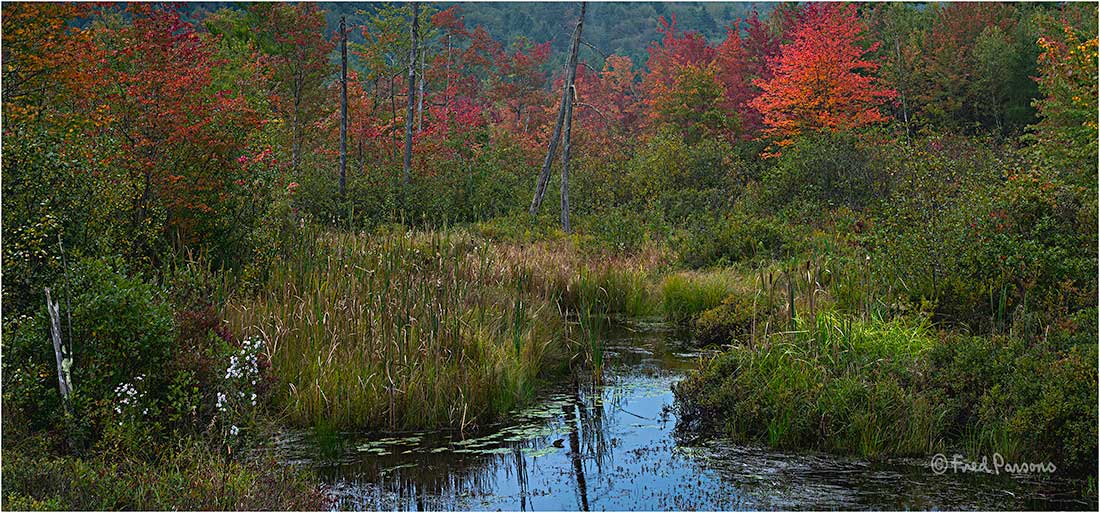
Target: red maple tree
{"x": 823, "y": 79}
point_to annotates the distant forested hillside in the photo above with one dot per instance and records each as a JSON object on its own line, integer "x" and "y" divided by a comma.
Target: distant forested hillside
{"x": 623, "y": 28}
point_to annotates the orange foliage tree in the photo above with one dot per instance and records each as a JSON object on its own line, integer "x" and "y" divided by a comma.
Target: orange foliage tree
{"x": 823, "y": 79}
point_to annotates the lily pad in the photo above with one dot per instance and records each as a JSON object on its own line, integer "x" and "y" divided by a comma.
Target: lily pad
{"x": 549, "y": 449}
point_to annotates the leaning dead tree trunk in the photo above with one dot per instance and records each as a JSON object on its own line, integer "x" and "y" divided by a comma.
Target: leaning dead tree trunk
{"x": 343, "y": 106}
{"x": 544, "y": 176}
{"x": 411, "y": 93}
{"x": 566, "y": 107}
{"x": 61, "y": 354}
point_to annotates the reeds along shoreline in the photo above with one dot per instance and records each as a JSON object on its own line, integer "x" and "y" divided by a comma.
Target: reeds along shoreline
{"x": 428, "y": 329}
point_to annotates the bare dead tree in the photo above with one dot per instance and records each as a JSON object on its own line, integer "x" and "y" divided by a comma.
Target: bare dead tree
{"x": 564, "y": 112}
{"x": 565, "y": 160}
{"x": 411, "y": 95}
{"x": 62, "y": 355}
{"x": 343, "y": 106}
{"x": 420, "y": 94}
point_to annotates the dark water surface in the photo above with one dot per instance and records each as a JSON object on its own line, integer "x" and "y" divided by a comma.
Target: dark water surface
{"x": 613, "y": 447}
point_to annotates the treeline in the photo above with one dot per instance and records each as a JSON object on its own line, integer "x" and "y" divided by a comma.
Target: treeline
{"x": 130, "y": 130}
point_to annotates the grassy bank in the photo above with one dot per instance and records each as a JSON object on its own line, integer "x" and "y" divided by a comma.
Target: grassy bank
{"x": 404, "y": 330}
{"x": 876, "y": 387}
{"x": 186, "y": 476}
{"x": 831, "y": 383}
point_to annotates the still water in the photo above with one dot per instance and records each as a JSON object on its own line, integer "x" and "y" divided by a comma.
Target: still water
{"x": 615, "y": 447}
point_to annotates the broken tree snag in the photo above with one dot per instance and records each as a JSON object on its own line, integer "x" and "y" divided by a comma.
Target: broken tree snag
{"x": 565, "y": 162}
{"x": 566, "y": 98}
{"x": 571, "y": 94}
{"x": 64, "y": 361}
{"x": 411, "y": 95}
{"x": 343, "y": 106}
{"x": 551, "y": 151}
{"x": 420, "y": 93}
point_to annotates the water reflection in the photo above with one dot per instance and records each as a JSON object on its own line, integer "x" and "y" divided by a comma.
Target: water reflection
{"x": 612, "y": 447}
{"x": 575, "y": 453}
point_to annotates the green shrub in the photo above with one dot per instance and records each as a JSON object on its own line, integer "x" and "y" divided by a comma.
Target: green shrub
{"x": 185, "y": 476}
{"x": 122, "y": 334}
{"x": 729, "y": 322}
{"x": 667, "y": 163}
{"x": 1027, "y": 401}
{"x": 688, "y": 206}
{"x": 482, "y": 182}
{"x": 54, "y": 201}
{"x": 736, "y": 238}
{"x": 617, "y": 229}
{"x": 819, "y": 172}
{"x": 990, "y": 246}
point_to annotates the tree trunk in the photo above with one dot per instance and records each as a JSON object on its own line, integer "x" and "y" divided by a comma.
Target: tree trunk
{"x": 62, "y": 357}
{"x": 904, "y": 105}
{"x": 420, "y": 96}
{"x": 343, "y": 106}
{"x": 566, "y": 97}
{"x": 359, "y": 143}
{"x": 565, "y": 161}
{"x": 393, "y": 111}
{"x": 411, "y": 95}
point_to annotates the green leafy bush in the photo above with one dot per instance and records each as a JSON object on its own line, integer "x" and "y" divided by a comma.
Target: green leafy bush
{"x": 736, "y": 238}
{"x": 667, "y": 164}
{"x": 819, "y": 172}
{"x": 1027, "y": 401}
{"x": 616, "y": 229}
{"x": 985, "y": 243}
{"x": 731, "y": 321}
{"x": 58, "y": 207}
{"x": 186, "y": 476}
{"x": 115, "y": 319}
{"x": 688, "y": 206}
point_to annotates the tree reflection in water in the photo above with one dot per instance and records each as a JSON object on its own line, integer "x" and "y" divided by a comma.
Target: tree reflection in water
{"x": 608, "y": 447}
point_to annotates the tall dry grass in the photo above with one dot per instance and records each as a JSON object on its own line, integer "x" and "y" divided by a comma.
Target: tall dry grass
{"x": 429, "y": 329}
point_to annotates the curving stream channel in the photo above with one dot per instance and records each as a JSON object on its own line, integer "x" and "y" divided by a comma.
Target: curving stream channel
{"x": 614, "y": 447}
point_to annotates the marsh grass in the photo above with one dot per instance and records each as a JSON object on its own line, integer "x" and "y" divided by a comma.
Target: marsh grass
{"x": 428, "y": 329}
{"x": 773, "y": 297}
{"x": 687, "y": 294}
{"x": 591, "y": 328}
